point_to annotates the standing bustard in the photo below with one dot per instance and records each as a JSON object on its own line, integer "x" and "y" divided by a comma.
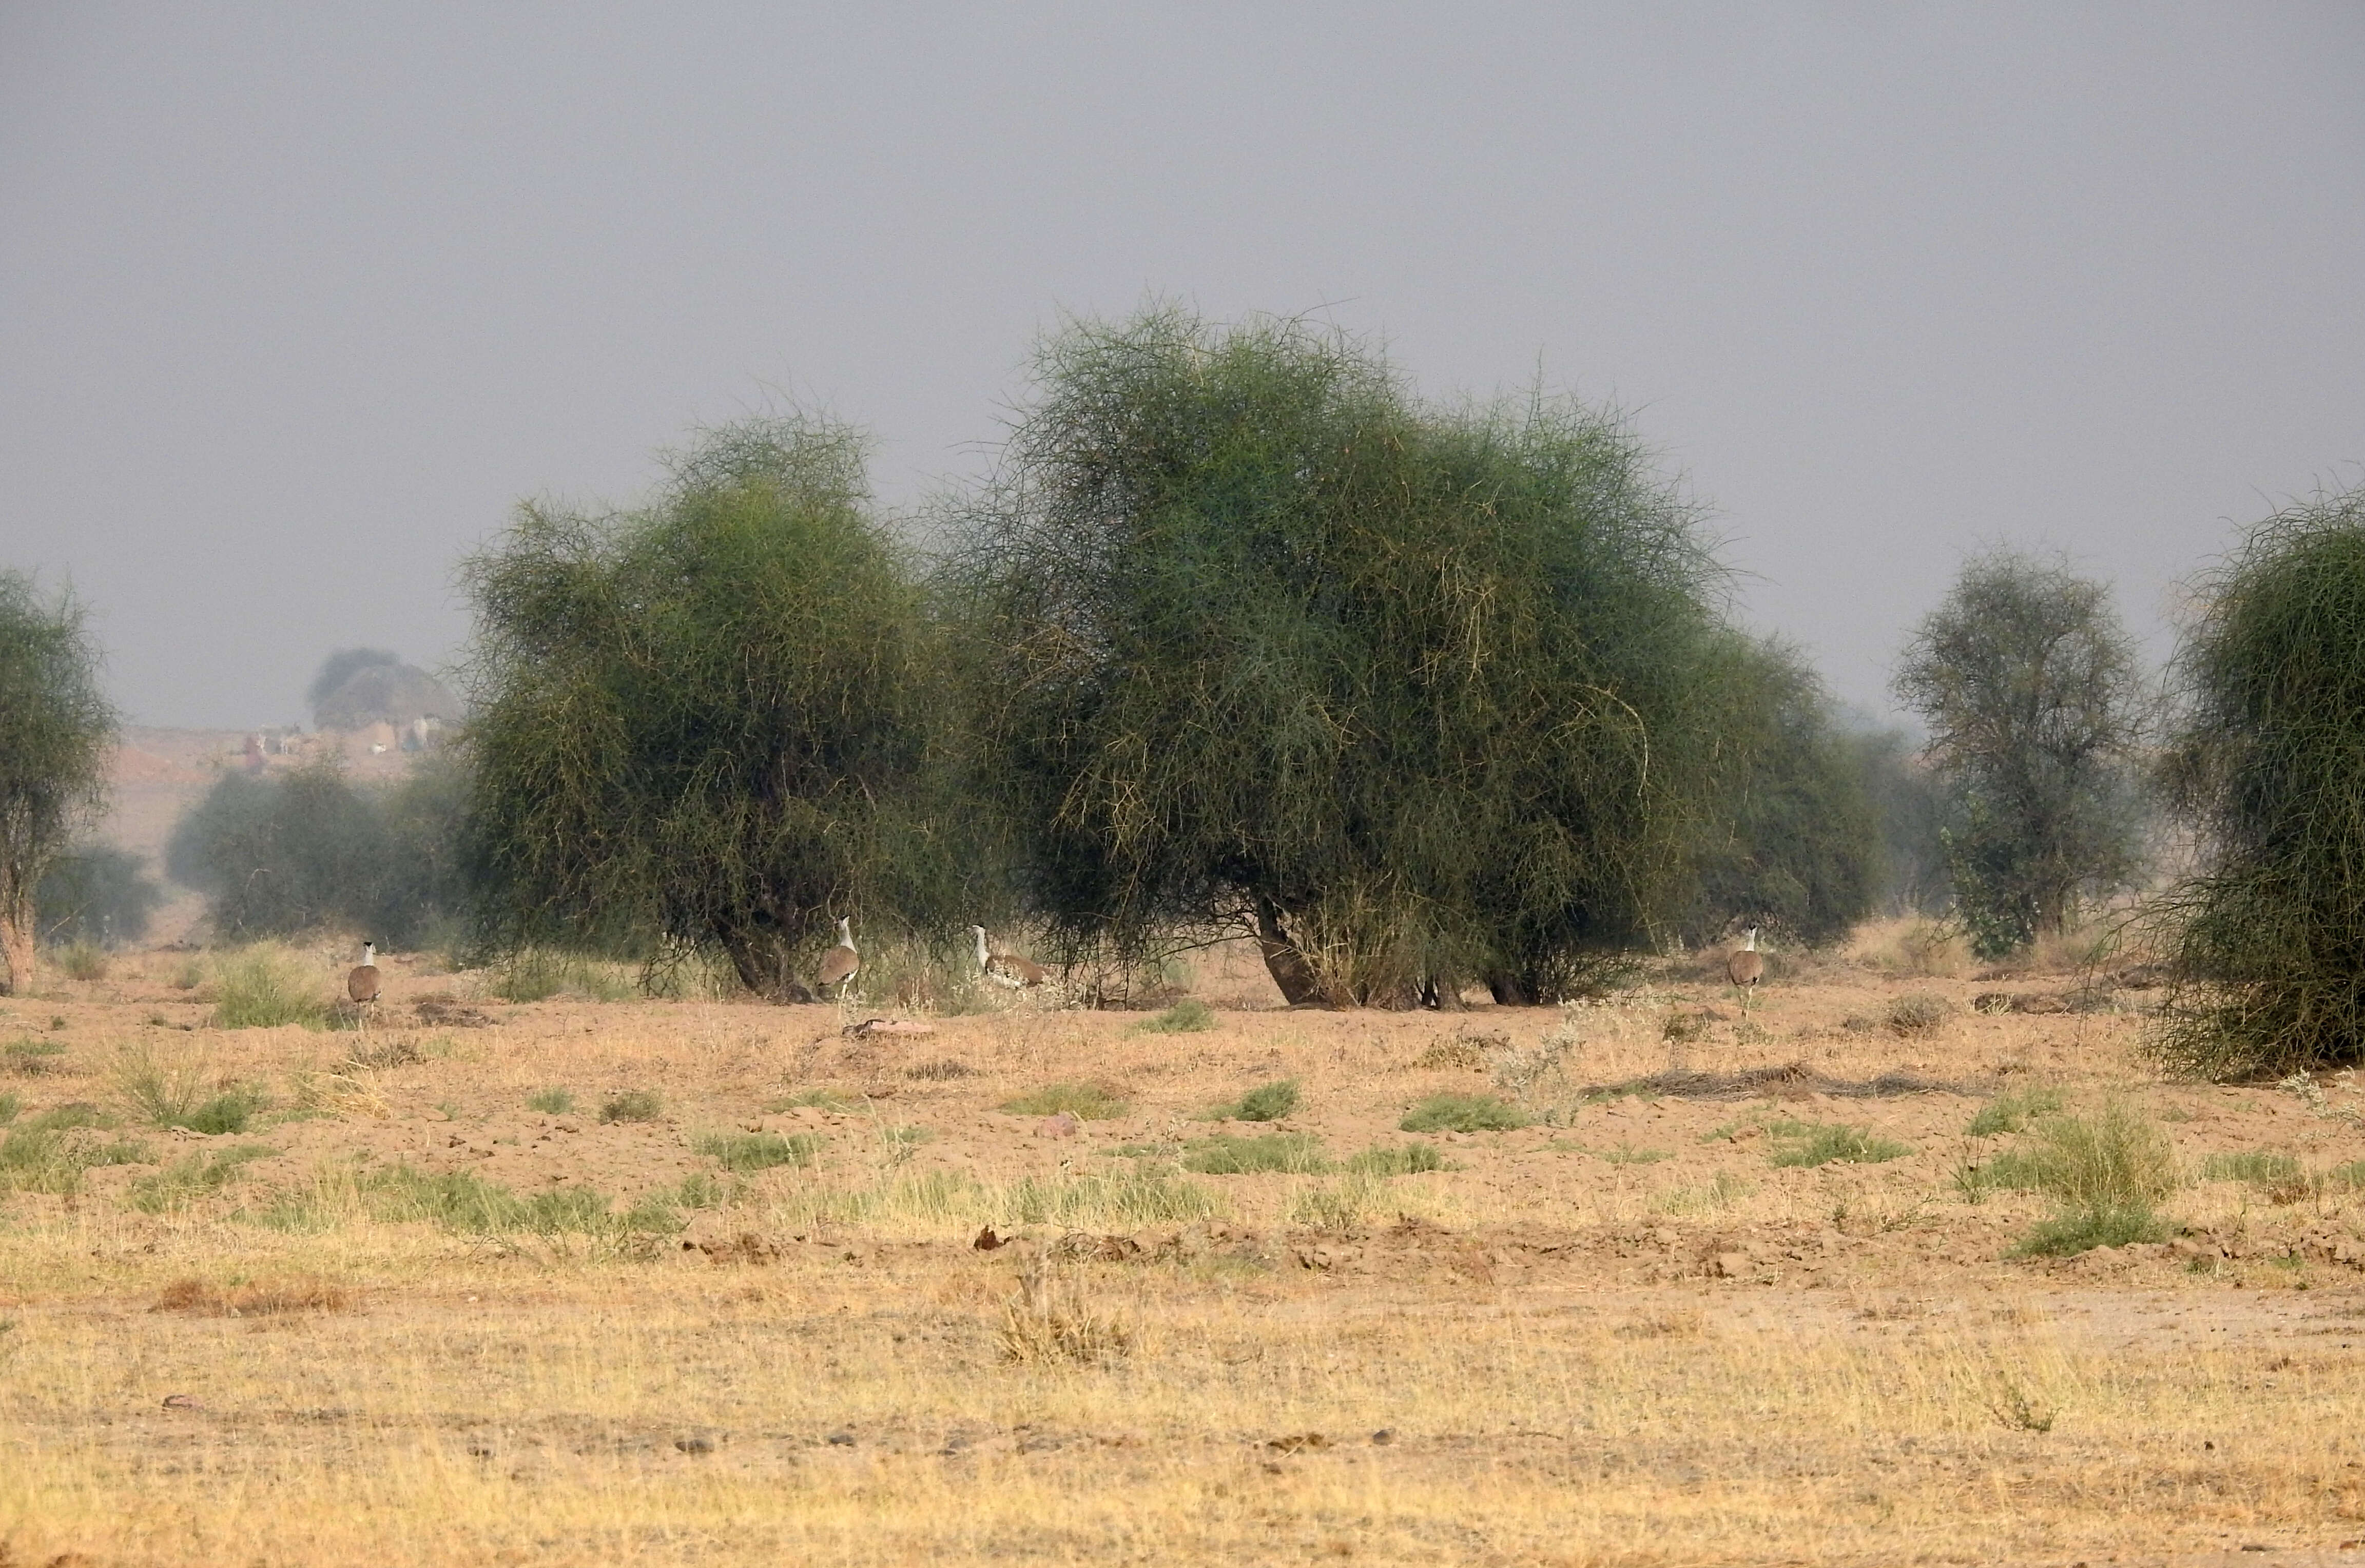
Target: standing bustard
{"x": 1004, "y": 967}
{"x": 841, "y": 963}
{"x": 361, "y": 985}
{"x": 1746, "y": 967}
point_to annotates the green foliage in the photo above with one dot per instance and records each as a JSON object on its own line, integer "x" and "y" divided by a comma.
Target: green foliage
{"x": 1463, "y": 1113}
{"x": 1909, "y": 800}
{"x": 56, "y": 727}
{"x": 551, "y": 1101}
{"x": 99, "y": 897}
{"x": 2029, "y": 685}
{"x": 2351, "y": 1175}
{"x": 266, "y": 988}
{"x": 2076, "y": 1230}
{"x": 1403, "y": 1159}
{"x": 1188, "y": 1016}
{"x": 719, "y": 721}
{"x": 1827, "y": 1143}
{"x": 2261, "y": 1167}
{"x": 176, "y": 1095}
{"x": 2015, "y": 1112}
{"x": 9, "y": 1105}
{"x": 199, "y": 1176}
{"x": 2116, "y": 1159}
{"x": 758, "y": 1151}
{"x": 1424, "y": 695}
{"x": 39, "y": 1156}
{"x": 1265, "y": 1103}
{"x": 1085, "y": 1102}
{"x": 631, "y": 1106}
{"x": 1296, "y": 1154}
{"x": 279, "y": 854}
{"x": 2267, "y": 770}
{"x": 537, "y": 974}
{"x": 1125, "y": 1199}
{"x": 463, "y": 1202}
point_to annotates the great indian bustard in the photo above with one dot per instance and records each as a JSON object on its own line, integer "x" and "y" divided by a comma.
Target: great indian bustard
{"x": 361, "y": 984}
{"x": 1003, "y": 967}
{"x": 841, "y": 963}
{"x": 1745, "y": 966}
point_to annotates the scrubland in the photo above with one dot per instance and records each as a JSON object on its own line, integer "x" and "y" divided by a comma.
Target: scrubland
{"x": 1647, "y": 1281}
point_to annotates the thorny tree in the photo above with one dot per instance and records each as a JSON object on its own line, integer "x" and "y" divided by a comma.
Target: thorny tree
{"x": 56, "y": 728}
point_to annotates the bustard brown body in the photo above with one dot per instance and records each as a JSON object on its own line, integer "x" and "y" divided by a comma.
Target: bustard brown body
{"x": 841, "y": 963}
{"x": 1004, "y": 967}
{"x": 1745, "y": 966}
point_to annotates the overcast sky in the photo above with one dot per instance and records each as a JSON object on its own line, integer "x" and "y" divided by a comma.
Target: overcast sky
{"x": 296, "y": 302}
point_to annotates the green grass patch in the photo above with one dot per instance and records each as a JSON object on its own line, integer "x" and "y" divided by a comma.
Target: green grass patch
{"x": 9, "y": 1106}
{"x": 2014, "y": 1113}
{"x": 1295, "y": 1154}
{"x": 551, "y": 1101}
{"x": 264, "y": 988}
{"x": 184, "y": 1182}
{"x": 1401, "y": 1160}
{"x": 1188, "y": 1016}
{"x": 1121, "y": 1199}
{"x": 30, "y": 1055}
{"x": 632, "y": 1105}
{"x": 1265, "y": 1103}
{"x": 1463, "y": 1113}
{"x": 811, "y": 1099}
{"x": 538, "y": 974}
{"x": 463, "y": 1202}
{"x": 176, "y": 1095}
{"x": 743, "y": 1152}
{"x": 2259, "y": 1167}
{"x": 1085, "y": 1102}
{"x": 2011, "y": 1171}
{"x": 1829, "y": 1143}
{"x": 2076, "y": 1230}
{"x": 2351, "y": 1175}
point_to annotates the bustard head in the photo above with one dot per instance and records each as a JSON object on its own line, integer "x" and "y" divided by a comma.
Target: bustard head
{"x": 369, "y": 954}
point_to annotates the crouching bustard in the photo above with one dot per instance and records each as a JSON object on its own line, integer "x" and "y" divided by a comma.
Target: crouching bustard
{"x": 1745, "y": 966}
{"x": 840, "y": 964}
{"x": 1004, "y": 967}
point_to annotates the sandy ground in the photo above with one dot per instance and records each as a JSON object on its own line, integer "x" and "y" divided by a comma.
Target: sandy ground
{"x": 1622, "y": 1333}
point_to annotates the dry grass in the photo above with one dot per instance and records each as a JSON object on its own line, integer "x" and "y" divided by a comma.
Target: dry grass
{"x": 1705, "y": 1356}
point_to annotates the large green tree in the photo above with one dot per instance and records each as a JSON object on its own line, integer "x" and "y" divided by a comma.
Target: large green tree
{"x": 719, "y": 721}
{"x": 2270, "y": 938}
{"x": 1416, "y": 695}
{"x": 56, "y": 731}
{"x": 2029, "y": 688}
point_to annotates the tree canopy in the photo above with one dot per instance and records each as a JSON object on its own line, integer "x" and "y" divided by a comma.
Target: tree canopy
{"x": 56, "y": 731}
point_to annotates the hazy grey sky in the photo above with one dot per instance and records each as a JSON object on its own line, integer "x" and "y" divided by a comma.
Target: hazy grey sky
{"x": 296, "y": 301}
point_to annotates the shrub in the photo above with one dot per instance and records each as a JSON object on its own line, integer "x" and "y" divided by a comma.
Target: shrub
{"x": 2114, "y": 1161}
{"x": 1828, "y": 1143}
{"x": 551, "y": 1101}
{"x": 1404, "y": 1159}
{"x": 1919, "y": 1012}
{"x": 1463, "y": 1113}
{"x": 744, "y": 1152}
{"x": 1335, "y": 1206}
{"x": 631, "y": 1106}
{"x": 1296, "y": 1154}
{"x": 1132, "y": 1198}
{"x": 2013, "y": 1113}
{"x": 537, "y": 974}
{"x": 266, "y": 988}
{"x": 56, "y": 731}
{"x": 167, "y": 1096}
{"x": 186, "y": 1181}
{"x": 1265, "y": 1103}
{"x": 1188, "y": 1016}
{"x": 84, "y": 961}
{"x": 1085, "y": 1102}
{"x": 2075, "y": 1230}
{"x": 1053, "y": 1320}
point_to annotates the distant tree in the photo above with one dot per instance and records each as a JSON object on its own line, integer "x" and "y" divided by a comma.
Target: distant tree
{"x": 99, "y": 894}
{"x": 359, "y": 686}
{"x": 719, "y": 721}
{"x": 342, "y": 666}
{"x": 1414, "y": 696}
{"x": 2269, "y": 935}
{"x": 56, "y": 731}
{"x": 2029, "y": 686}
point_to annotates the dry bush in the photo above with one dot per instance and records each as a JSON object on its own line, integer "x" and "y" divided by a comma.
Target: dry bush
{"x": 1052, "y": 1320}
{"x": 1922, "y": 947}
{"x": 1918, "y": 1012}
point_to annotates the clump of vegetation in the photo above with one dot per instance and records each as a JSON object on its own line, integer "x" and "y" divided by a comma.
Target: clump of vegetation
{"x": 205, "y": 1300}
{"x": 1402, "y": 1159}
{"x": 1188, "y": 1016}
{"x": 38, "y": 1158}
{"x": 2103, "y": 1174}
{"x": 2076, "y": 1230}
{"x": 266, "y": 988}
{"x": 84, "y": 961}
{"x": 56, "y": 729}
{"x": 1463, "y": 1113}
{"x": 743, "y": 1152}
{"x": 1918, "y": 1012}
{"x": 29, "y": 1055}
{"x": 1337, "y": 1206}
{"x": 92, "y": 899}
{"x": 631, "y": 1106}
{"x": 1828, "y": 1143}
{"x": 178, "y": 1096}
{"x": 551, "y": 1101}
{"x": 2015, "y": 1112}
{"x": 9, "y": 1105}
{"x": 2265, "y": 936}
{"x": 1054, "y": 1320}
{"x": 944, "y": 1069}
{"x": 1085, "y": 1102}
{"x": 463, "y": 1202}
{"x": 2261, "y": 1167}
{"x": 813, "y": 1099}
{"x": 1720, "y": 1190}
{"x": 184, "y": 1182}
{"x": 1294, "y": 1153}
{"x": 537, "y": 974}
{"x": 1129, "y": 1198}
{"x": 1265, "y": 1103}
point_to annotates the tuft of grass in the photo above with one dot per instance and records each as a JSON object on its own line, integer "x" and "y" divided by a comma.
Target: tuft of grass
{"x": 84, "y": 961}
{"x": 1119, "y": 1200}
{"x": 537, "y": 974}
{"x": 2014, "y": 1113}
{"x": 175, "y": 1096}
{"x": 2076, "y": 1230}
{"x": 2011, "y": 1171}
{"x": 2351, "y": 1175}
{"x": 1404, "y": 1159}
{"x": 9, "y": 1106}
{"x": 1463, "y": 1113}
{"x": 551, "y": 1101}
{"x": 463, "y": 1202}
{"x": 1053, "y": 1321}
{"x": 2260, "y": 1167}
{"x": 1828, "y": 1143}
{"x": 1918, "y": 1011}
{"x": 267, "y": 988}
{"x": 944, "y": 1069}
{"x": 1085, "y": 1102}
{"x": 197, "y": 1297}
{"x": 1335, "y": 1206}
{"x": 1188, "y": 1016}
{"x": 743, "y": 1152}
{"x": 816, "y": 1099}
{"x": 1265, "y": 1103}
{"x": 2114, "y": 1161}
{"x": 631, "y": 1106}
{"x": 30, "y": 1056}
{"x": 184, "y": 1182}
{"x": 1720, "y": 1190}
{"x": 1295, "y": 1154}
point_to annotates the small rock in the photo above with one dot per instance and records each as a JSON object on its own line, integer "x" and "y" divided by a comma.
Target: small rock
{"x": 1064, "y": 1125}
{"x": 695, "y": 1444}
{"x": 840, "y": 1439}
{"x": 1385, "y": 1436}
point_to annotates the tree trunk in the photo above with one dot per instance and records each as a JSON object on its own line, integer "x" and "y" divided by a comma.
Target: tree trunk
{"x": 16, "y": 943}
{"x": 1287, "y": 965}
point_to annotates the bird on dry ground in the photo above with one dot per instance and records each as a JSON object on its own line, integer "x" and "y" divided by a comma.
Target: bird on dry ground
{"x": 1004, "y": 967}
{"x": 841, "y": 963}
{"x": 1745, "y": 967}
{"x": 362, "y": 984}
